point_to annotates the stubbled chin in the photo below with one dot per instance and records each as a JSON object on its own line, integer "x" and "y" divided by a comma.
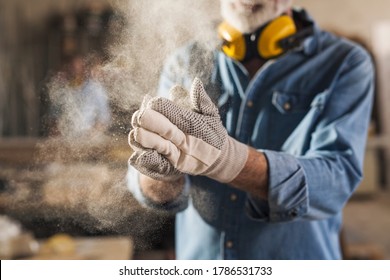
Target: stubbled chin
{"x": 247, "y": 23}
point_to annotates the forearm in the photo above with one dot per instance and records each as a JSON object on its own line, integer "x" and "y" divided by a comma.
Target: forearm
{"x": 161, "y": 191}
{"x": 254, "y": 176}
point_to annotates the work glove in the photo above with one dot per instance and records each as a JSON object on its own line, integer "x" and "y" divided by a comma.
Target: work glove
{"x": 170, "y": 139}
{"x": 148, "y": 161}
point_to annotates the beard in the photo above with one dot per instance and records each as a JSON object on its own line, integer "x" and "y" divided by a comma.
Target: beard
{"x": 248, "y": 15}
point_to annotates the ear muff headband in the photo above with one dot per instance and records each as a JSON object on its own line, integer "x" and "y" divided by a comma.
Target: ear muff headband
{"x": 268, "y": 45}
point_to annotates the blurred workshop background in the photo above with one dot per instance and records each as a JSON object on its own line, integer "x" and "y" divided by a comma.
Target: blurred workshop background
{"x": 63, "y": 191}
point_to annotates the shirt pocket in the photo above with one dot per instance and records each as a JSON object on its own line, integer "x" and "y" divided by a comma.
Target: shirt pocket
{"x": 291, "y": 102}
{"x": 288, "y": 110}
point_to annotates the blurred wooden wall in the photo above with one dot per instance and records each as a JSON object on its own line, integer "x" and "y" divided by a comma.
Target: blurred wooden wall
{"x": 31, "y": 46}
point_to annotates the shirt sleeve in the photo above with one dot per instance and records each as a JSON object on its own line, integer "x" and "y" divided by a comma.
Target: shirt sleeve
{"x": 318, "y": 183}
{"x": 177, "y": 205}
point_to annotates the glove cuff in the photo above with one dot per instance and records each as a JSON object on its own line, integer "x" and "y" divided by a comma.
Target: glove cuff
{"x": 233, "y": 158}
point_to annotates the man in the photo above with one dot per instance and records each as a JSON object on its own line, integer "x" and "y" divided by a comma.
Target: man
{"x": 80, "y": 106}
{"x": 272, "y": 185}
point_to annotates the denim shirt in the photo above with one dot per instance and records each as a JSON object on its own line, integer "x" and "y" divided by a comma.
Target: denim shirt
{"x": 308, "y": 111}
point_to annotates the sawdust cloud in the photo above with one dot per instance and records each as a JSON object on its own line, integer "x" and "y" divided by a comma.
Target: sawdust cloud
{"x": 153, "y": 30}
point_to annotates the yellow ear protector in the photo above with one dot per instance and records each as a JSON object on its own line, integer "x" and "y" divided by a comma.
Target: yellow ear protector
{"x": 270, "y": 40}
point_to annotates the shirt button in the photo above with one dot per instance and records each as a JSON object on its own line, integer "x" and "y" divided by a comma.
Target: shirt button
{"x": 287, "y": 106}
{"x": 233, "y": 197}
{"x": 293, "y": 213}
{"x": 229, "y": 244}
{"x": 249, "y": 104}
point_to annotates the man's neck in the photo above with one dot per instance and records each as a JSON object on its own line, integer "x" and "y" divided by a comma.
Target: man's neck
{"x": 253, "y": 65}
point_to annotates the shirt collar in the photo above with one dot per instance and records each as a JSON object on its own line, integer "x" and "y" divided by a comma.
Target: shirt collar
{"x": 311, "y": 45}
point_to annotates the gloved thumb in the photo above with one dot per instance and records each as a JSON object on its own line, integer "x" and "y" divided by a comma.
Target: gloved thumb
{"x": 201, "y": 102}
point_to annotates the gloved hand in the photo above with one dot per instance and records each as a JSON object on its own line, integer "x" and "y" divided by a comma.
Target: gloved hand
{"x": 179, "y": 140}
{"x": 148, "y": 161}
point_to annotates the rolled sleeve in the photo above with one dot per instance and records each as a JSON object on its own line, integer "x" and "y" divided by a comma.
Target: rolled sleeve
{"x": 287, "y": 193}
